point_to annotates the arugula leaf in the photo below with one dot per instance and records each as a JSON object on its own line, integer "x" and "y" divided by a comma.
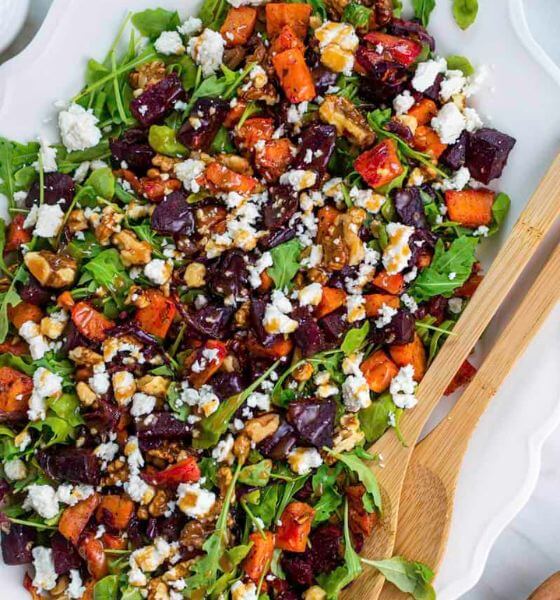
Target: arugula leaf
{"x": 410, "y": 577}
{"x": 109, "y": 272}
{"x": 67, "y": 407}
{"x": 286, "y": 262}
{"x": 103, "y": 182}
{"x": 500, "y": 209}
{"x": 264, "y": 507}
{"x": 256, "y": 475}
{"x": 423, "y": 9}
{"x": 357, "y": 14}
{"x": 374, "y": 420}
{"x": 372, "y": 496}
{"x": 355, "y": 338}
{"x": 224, "y": 86}
{"x": 456, "y": 262}
{"x": 465, "y": 12}
{"x": 436, "y": 341}
{"x": 153, "y": 22}
{"x": 460, "y": 63}
{"x": 328, "y": 503}
{"x": 3, "y": 265}
{"x": 397, "y": 8}
{"x": 213, "y": 13}
{"x": 10, "y": 298}
{"x": 318, "y": 7}
{"x": 20, "y": 363}
{"x": 163, "y": 139}
{"x": 14, "y": 156}
{"x": 222, "y": 142}
{"x": 106, "y": 588}
{"x": 180, "y": 409}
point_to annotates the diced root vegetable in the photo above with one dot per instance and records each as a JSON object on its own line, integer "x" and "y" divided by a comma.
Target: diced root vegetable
{"x": 274, "y": 159}
{"x": 198, "y": 377}
{"x": 294, "y": 75}
{"x": 286, "y": 40}
{"x": 296, "y": 521}
{"x": 379, "y": 370}
{"x": 115, "y": 511}
{"x": 75, "y": 518}
{"x": 239, "y": 25}
{"x": 23, "y": 312}
{"x": 221, "y": 179}
{"x": 280, "y": 14}
{"x": 423, "y": 111}
{"x": 413, "y": 354}
{"x": 463, "y": 376}
{"x": 259, "y": 556}
{"x": 471, "y": 208}
{"x": 393, "y": 284}
{"x": 90, "y": 323}
{"x": 427, "y": 140}
{"x": 255, "y": 130}
{"x": 380, "y": 165}
{"x": 401, "y": 50}
{"x": 331, "y": 300}
{"x": 16, "y": 234}
{"x": 156, "y": 318}
{"x": 15, "y": 389}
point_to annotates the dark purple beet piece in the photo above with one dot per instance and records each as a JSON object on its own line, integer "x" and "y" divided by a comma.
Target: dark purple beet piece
{"x": 326, "y": 543}
{"x": 335, "y": 325}
{"x": 487, "y": 153}
{"x": 227, "y": 384}
{"x": 313, "y": 420}
{"x": 17, "y": 544}
{"x": 412, "y": 30}
{"x": 70, "y": 464}
{"x": 436, "y": 307}
{"x": 455, "y": 156}
{"x": 281, "y": 590}
{"x": 309, "y": 337}
{"x": 319, "y": 139}
{"x": 73, "y": 338}
{"x": 277, "y": 237}
{"x": 298, "y": 568}
{"x": 211, "y": 321}
{"x": 65, "y": 556}
{"x": 399, "y": 331}
{"x": 278, "y": 445}
{"x": 323, "y": 78}
{"x": 281, "y": 207}
{"x": 34, "y": 293}
{"x": 434, "y": 90}
{"x": 410, "y": 207}
{"x": 202, "y": 125}
{"x": 167, "y": 527}
{"x": 401, "y": 130}
{"x": 256, "y": 316}
{"x": 158, "y": 100}
{"x": 105, "y": 417}
{"x": 384, "y": 79}
{"x": 133, "y": 148}
{"x": 58, "y": 186}
{"x": 161, "y": 425}
{"x": 229, "y": 275}
{"x": 173, "y": 216}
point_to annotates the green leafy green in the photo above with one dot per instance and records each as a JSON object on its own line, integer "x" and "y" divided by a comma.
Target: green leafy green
{"x": 500, "y": 209}
{"x": 411, "y": 577}
{"x": 163, "y": 139}
{"x": 10, "y": 298}
{"x": 109, "y": 272}
{"x": 357, "y": 14}
{"x": 438, "y": 338}
{"x": 222, "y": 142}
{"x": 448, "y": 270}
{"x": 14, "y": 156}
{"x": 224, "y": 86}
{"x": 3, "y": 265}
{"x": 460, "y": 63}
{"x": 397, "y": 8}
{"x": 153, "y": 22}
{"x": 256, "y": 475}
{"x": 374, "y": 420}
{"x": 180, "y": 409}
{"x": 423, "y": 9}
{"x": 286, "y": 262}
{"x": 213, "y": 13}
{"x": 355, "y": 339}
{"x": 263, "y": 505}
{"x": 465, "y": 12}
{"x": 103, "y": 182}
{"x": 106, "y": 588}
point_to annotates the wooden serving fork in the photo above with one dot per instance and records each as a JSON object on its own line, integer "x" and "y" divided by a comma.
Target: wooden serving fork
{"x": 534, "y": 222}
{"x": 431, "y": 479}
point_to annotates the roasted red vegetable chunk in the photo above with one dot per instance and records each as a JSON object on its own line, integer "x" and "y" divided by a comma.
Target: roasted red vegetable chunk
{"x": 380, "y": 165}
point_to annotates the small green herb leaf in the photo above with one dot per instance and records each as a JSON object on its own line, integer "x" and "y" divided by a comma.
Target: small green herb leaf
{"x": 460, "y": 63}
{"x": 465, "y": 12}
{"x": 423, "y": 9}
{"x": 411, "y": 577}
{"x": 286, "y": 261}
{"x": 357, "y": 14}
{"x": 153, "y": 22}
{"x": 355, "y": 339}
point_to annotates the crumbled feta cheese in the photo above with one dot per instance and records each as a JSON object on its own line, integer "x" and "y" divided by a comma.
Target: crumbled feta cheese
{"x": 337, "y": 43}
{"x": 158, "y": 271}
{"x": 263, "y": 262}
{"x": 50, "y": 218}
{"x": 72, "y": 494}
{"x": 204, "y": 398}
{"x": 222, "y": 451}
{"x": 38, "y": 345}
{"x": 386, "y": 314}
{"x": 106, "y": 452}
{"x": 299, "y": 179}
{"x": 355, "y": 308}
{"x": 138, "y": 489}
{"x": 124, "y": 387}
{"x": 457, "y": 181}
{"x": 481, "y": 231}
{"x": 402, "y": 388}
{"x": 472, "y": 120}
{"x": 48, "y": 157}
{"x": 315, "y": 257}
{"x": 190, "y": 26}
{"x": 42, "y": 499}
{"x": 75, "y": 587}
{"x": 397, "y": 253}
{"x": 355, "y": 392}
{"x": 168, "y": 43}
{"x": 207, "y": 50}
{"x": 45, "y": 385}
{"x": 455, "y": 305}
{"x": 275, "y": 316}
{"x": 194, "y": 501}
{"x": 403, "y": 103}
{"x": 241, "y": 590}
{"x": 99, "y": 382}
{"x": 78, "y": 128}
{"x": 259, "y": 400}
{"x": 295, "y": 115}
{"x": 310, "y": 295}
{"x": 303, "y": 460}
{"x": 148, "y": 559}
{"x": 409, "y": 302}
{"x": 142, "y": 404}
{"x": 45, "y": 574}
{"x": 367, "y": 199}
{"x": 188, "y": 171}
{"x": 476, "y": 81}
{"x": 427, "y": 72}
{"x": 327, "y": 390}
{"x": 452, "y": 276}
{"x": 449, "y": 123}
{"x": 15, "y": 469}
{"x": 453, "y": 84}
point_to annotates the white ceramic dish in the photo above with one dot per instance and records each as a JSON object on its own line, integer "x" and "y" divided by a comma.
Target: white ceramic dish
{"x": 12, "y": 17}
{"x": 503, "y": 460}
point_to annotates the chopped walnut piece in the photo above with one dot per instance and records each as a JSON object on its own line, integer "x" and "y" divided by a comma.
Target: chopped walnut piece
{"x": 133, "y": 251}
{"x": 85, "y": 394}
{"x": 347, "y": 119}
{"x": 153, "y": 385}
{"x": 106, "y": 225}
{"x": 351, "y": 222}
{"x": 349, "y": 435}
{"x": 77, "y": 221}
{"x": 83, "y": 356}
{"x": 50, "y": 269}
{"x": 147, "y": 74}
{"x": 261, "y": 427}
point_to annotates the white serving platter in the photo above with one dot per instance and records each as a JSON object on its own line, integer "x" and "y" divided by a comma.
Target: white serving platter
{"x": 522, "y": 98}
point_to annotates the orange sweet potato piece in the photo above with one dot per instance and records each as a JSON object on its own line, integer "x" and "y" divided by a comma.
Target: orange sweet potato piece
{"x": 331, "y": 299}
{"x": 221, "y": 179}
{"x": 266, "y": 282}
{"x": 379, "y": 165}
{"x": 115, "y": 511}
{"x": 471, "y": 208}
{"x": 286, "y": 39}
{"x": 15, "y": 389}
{"x": 393, "y": 284}
{"x": 202, "y": 367}
{"x": 254, "y": 130}
{"x": 75, "y": 518}
{"x": 92, "y": 551}
{"x": 427, "y": 140}
{"x": 360, "y": 521}
{"x": 375, "y": 301}
{"x": 16, "y": 234}
{"x": 463, "y": 376}
{"x": 157, "y": 317}
{"x": 294, "y": 74}
{"x": 65, "y": 300}
{"x": 90, "y": 322}
{"x": 274, "y": 158}
{"x": 296, "y": 524}
{"x": 239, "y": 25}
{"x": 424, "y": 111}
{"x": 23, "y": 312}
{"x": 378, "y": 370}
{"x": 114, "y": 542}
{"x": 413, "y": 354}
{"x": 259, "y": 556}
{"x": 279, "y": 348}
{"x": 235, "y": 113}
{"x": 327, "y": 219}
{"x": 184, "y": 471}
{"x": 280, "y": 14}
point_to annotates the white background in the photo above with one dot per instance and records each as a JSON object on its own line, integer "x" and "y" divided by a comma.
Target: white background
{"x": 528, "y": 550}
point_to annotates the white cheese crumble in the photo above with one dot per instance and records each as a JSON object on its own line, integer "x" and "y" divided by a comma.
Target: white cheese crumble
{"x": 50, "y": 218}
{"x": 275, "y": 315}
{"x": 409, "y": 302}
{"x": 158, "y": 271}
{"x": 99, "y": 382}
{"x": 190, "y": 26}
{"x": 472, "y": 120}
{"x": 355, "y": 307}
{"x": 78, "y": 128}
{"x": 15, "y": 469}
{"x": 367, "y": 199}
{"x": 386, "y": 314}
{"x": 75, "y": 588}
{"x": 310, "y": 295}
{"x": 241, "y": 590}
{"x": 337, "y": 43}
{"x": 222, "y": 451}
{"x": 142, "y": 404}
{"x": 449, "y": 123}
{"x": 299, "y": 179}
{"x": 303, "y": 460}
{"x": 453, "y": 84}
{"x": 397, "y": 253}
{"x": 207, "y": 50}
{"x": 168, "y": 43}
{"x": 48, "y": 157}
{"x": 458, "y": 181}
{"x": 403, "y": 103}
{"x": 42, "y": 499}
{"x": 427, "y": 72}
{"x": 188, "y": 171}
{"x": 45, "y": 385}
{"x": 263, "y": 262}
{"x": 194, "y": 501}
{"x": 402, "y": 388}
{"x": 45, "y": 574}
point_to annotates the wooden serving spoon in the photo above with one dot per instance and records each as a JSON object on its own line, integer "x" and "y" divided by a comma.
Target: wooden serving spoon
{"x": 431, "y": 480}
{"x": 535, "y": 221}
{"x": 549, "y": 590}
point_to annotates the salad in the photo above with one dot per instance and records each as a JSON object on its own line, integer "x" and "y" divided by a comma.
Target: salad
{"x": 222, "y": 286}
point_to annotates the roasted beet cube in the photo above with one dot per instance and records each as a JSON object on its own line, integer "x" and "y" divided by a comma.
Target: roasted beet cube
{"x": 167, "y": 527}
{"x": 133, "y": 148}
{"x": 434, "y": 90}
{"x": 409, "y": 206}
{"x": 34, "y": 293}
{"x": 278, "y": 445}
{"x": 399, "y": 331}
{"x": 326, "y": 542}
{"x": 65, "y": 556}
{"x": 316, "y": 148}
{"x": 227, "y": 384}
{"x": 385, "y": 79}
{"x": 281, "y": 207}
{"x": 17, "y": 544}
{"x": 173, "y": 216}
{"x": 412, "y": 30}
{"x": 161, "y": 426}
{"x": 309, "y": 337}
{"x": 277, "y": 237}
{"x": 58, "y": 186}
{"x": 335, "y": 325}
{"x": 202, "y": 125}
{"x": 229, "y": 275}
{"x": 313, "y": 420}
{"x": 455, "y": 156}
{"x": 70, "y": 464}
{"x": 298, "y": 568}
{"x": 487, "y": 153}
{"x": 211, "y": 321}
{"x": 323, "y": 78}
{"x": 158, "y": 100}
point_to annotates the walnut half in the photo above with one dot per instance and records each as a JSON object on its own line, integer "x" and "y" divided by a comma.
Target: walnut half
{"x": 50, "y": 269}
{"x": 347, "y": 119}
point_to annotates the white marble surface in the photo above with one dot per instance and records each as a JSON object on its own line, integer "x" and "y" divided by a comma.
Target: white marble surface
{"x": 528, "y": 551}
